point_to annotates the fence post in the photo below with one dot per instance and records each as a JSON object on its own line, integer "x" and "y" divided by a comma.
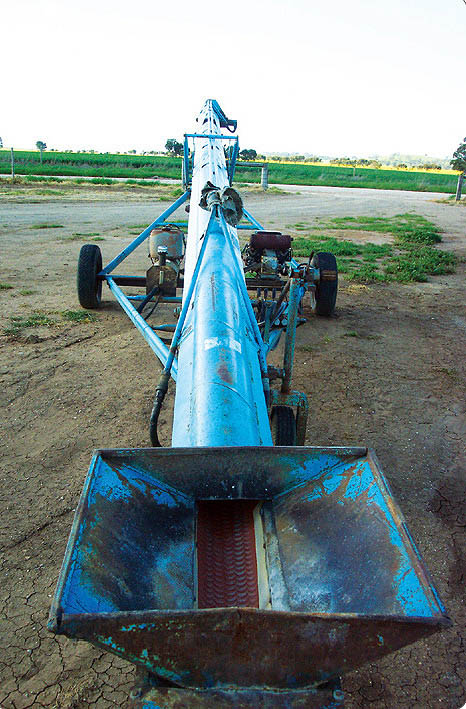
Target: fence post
{"x": 12, "y": 164}
{"x": 459, "y": 186}
{"x": 265, "y": 177}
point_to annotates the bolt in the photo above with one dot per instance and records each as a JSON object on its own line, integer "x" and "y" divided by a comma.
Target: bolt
{"x": 338, "y": 695}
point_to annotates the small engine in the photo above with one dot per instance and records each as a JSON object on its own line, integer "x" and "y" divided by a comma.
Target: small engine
{"x": 166, "y": 251}
{"x": 268, "y": 253}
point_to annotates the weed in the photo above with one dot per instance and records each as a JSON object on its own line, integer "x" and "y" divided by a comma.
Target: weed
{"x": 351, "y": 333}
{"x": 304, "y": 246}
{"x": 405, "y": 227}
{"x": 19, "y": 323}
{"x": 27, "y": 291}
{"x": 366, "y": 273}
{"x": 50, "y": 192}
{"x": 5, "y": 286}
{"x": 98, "y": 238}
{"x": 78, "y": 316}
{"x": 47, "y": 226}
{"x": 89, "y": 233}
{"x": 413, "y": 258}
{"x": 415, "y": 264}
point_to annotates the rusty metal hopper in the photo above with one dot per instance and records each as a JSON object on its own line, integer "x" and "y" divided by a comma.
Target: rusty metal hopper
{"x": 339, "y": 581}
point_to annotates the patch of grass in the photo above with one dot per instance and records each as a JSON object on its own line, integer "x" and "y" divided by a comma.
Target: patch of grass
{"x": 304, "y": 246}
{"x": 351, "y": 333}
{"x": 89, "y": 233}
{"x": 98, "y": 238}
{"x": 27, "y": 291}
{"x": 366, "y": 273}
{"x": 416, "y": 263}
{"x": 405, "y": 227}
{"x": 50, "y": 192}
{"x": 19, "y": 323}
{"x": 413, "y": 258}
{"x": 107, "y": 166}
{"x": 47, "y": 226}
{"x": 5, "y": 286}
{"x": 78, "y": 316}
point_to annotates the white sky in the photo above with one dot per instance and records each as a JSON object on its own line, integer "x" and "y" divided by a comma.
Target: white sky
{"x": 336, "y": 77}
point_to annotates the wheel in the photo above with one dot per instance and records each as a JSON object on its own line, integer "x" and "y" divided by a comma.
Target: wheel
{"x": 327, "y": 287}
{"x": 283, "y": 426}
{"x": 89, "y": 265}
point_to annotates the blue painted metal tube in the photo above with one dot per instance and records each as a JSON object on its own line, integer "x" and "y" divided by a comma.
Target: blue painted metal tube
{"x": 247, "y": 301}
{"x": 144, "y": 234}
{"x": 294, "y": 299}
{"x": 233, "y": 159}
{"x": 186, "y": 175}
{"x": 165, "y": 299}
{"x": 154, "y": 342}
{"x": 166, "y": 327}
{"x": 219, "y": 397}
{"x": 253, "y": 221}
{"x": 274, "y": 339}
{"x": 189, "y": 295}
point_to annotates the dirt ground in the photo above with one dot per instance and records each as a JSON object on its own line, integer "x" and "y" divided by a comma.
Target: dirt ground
{"x": 387, "y": 371}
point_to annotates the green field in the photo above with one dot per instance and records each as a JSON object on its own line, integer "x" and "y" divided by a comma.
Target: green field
{"x": 150, "y": 166}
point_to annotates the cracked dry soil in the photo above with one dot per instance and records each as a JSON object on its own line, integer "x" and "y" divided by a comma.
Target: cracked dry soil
{"x": 387, "y": 371}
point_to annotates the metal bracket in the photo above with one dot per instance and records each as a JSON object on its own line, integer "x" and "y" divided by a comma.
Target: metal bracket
{"x": 297, "y": 399}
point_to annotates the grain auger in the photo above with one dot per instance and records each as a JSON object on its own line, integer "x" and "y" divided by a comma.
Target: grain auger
{"x": 238, "y": 567}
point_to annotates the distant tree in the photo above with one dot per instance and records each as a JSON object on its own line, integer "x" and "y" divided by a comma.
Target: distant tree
{"x": 459, "y": 158}
{"x": 131, "y": 152}
{"x": 248, "y": 154}
{"x": 40, "y": 145}
{"x": 459, "y": 163}
{"x": 402, "y": 166}
{"x": 1, "y": 143}
{"x": 429, "y": 166}
{"x": 174, "y": 147}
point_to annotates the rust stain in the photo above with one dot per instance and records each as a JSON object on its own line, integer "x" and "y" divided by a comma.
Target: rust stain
{"x": 225, "y": 374}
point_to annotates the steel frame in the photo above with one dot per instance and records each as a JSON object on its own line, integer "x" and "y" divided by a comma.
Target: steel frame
{"x": 167, "y": 355}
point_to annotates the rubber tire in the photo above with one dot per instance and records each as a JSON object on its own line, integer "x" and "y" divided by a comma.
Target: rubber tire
{"x": 89, "y": 265}
{"x": 326, "y": 290}
{"x": 283, "y": 425}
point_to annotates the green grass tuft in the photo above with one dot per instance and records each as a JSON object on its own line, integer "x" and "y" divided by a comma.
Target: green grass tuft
{"x": 415, "y": 264}
{"x": 78, "y": 316}
{"x": 405, "y": 227}
{"x": 19, "y": 323}
{"x": 47, "y": 226}
{"x": 412, "y": 258}
{"x": 5, "y": 286}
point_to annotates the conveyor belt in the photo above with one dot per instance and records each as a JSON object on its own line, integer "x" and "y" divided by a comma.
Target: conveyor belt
{"x": 226, "y": 554}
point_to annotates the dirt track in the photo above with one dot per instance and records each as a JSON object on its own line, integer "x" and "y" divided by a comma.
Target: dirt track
{"x": 387, "y": 371}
